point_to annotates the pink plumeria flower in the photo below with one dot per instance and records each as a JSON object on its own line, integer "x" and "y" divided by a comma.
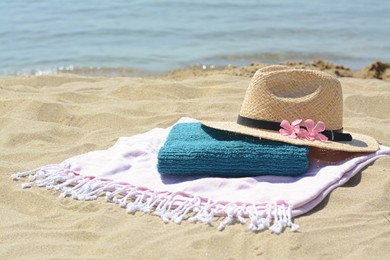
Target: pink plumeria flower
{"x": 314, "y": 131}
{"x": 291, "y": 130}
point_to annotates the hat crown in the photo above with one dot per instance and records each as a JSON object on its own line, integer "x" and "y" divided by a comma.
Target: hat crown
{"x": 276, "y": 93}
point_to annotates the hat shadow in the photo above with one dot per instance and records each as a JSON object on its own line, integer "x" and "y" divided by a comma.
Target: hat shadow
{"x": 353, "y": 182}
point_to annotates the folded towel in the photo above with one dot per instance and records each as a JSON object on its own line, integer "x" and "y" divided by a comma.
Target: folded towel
{"x": 193, "y": 149}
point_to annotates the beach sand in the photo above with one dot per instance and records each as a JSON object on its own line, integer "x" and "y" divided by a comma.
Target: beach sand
{"x": 46, "y": 119}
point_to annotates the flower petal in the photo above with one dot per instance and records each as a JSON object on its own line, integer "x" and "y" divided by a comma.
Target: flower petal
{"x": 285, "y": 124}
{"x": 321, "y": 138}
{"x": 284, "y": 132}
{"x": 296, "y": 122}
{"x": 310, "y": 137}
{"x": 302, "y": 133}
{"x": 320, "y": 126}
{"x": 309, "y": 123}
{"x": 296, "y": 129}
{"x": 293, "y": 135}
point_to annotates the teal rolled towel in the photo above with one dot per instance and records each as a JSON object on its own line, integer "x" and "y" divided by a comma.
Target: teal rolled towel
{"x": 193, "y": 149}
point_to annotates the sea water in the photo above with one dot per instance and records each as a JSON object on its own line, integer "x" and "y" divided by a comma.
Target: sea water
{"x": 155, "y": 36}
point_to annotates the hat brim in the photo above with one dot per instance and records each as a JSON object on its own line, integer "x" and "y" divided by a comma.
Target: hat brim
{"x": 359, "y": 143}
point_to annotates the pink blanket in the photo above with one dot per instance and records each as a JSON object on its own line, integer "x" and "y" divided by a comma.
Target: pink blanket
{"x": 126, "y": 173}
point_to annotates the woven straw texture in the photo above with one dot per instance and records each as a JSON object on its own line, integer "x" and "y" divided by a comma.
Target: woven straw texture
{"x": 279, "y": 92}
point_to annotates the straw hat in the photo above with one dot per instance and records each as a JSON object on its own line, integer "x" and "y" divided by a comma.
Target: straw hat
{"x": 278, "y": 93}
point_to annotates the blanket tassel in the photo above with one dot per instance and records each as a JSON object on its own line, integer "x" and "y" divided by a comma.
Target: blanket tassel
{"x": 170, "y": 206}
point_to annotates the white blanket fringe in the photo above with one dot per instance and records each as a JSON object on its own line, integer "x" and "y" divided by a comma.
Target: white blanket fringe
{"x": 170, "y": 206}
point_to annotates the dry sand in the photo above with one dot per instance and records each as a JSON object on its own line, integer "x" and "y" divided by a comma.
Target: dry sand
{"x": 46, "y": 119}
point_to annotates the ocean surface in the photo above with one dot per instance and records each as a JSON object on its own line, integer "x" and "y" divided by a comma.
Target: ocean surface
{"x": 155, "y": 36}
